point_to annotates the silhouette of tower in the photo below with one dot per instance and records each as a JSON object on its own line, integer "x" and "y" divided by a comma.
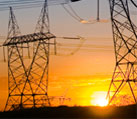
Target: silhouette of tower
{"x": 28, "y": 78}
{"x": 125, "y": 39}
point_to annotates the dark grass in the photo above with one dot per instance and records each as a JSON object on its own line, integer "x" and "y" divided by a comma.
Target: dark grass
{"x": 74, "y": 112}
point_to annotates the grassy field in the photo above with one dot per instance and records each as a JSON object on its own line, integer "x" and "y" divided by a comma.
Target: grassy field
{"x": 75, "y": 112}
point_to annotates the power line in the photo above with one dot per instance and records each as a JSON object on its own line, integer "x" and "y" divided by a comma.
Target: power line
{"x": 22, "y": 4}
{"x": 73, "y": 14}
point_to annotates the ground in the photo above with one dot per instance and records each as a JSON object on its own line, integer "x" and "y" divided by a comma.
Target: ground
{"x": 75, "y": 112}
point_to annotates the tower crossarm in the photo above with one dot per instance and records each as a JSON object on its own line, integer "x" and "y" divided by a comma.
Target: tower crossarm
{"x": 28, "y": 38}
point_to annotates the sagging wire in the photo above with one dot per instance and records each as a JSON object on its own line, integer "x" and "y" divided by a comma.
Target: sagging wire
{"x": 81, "y": 39}
{"x": 73, "y": 14}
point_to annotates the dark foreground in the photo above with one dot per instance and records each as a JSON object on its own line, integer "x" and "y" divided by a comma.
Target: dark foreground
{"x": 75, "y": 112}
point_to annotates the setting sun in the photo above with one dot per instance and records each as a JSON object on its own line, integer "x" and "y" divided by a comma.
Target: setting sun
{"x": 99, "y": 99}
{"x": 102, "y": 102}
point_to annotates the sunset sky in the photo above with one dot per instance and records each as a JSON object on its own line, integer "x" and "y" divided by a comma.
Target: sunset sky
{"x": 86, "y": 74}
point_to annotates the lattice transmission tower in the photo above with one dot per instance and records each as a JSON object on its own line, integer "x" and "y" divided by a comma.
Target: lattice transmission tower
{"x": 28, "y": 77}
{"x": 125, "y": 44}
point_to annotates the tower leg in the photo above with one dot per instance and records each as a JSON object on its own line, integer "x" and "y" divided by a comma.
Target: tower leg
{"x": 124, "y": 80}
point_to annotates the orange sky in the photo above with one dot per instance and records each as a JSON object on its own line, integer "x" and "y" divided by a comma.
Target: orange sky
{"x": 81, "y": 76}
{"x": 86, "y": 71}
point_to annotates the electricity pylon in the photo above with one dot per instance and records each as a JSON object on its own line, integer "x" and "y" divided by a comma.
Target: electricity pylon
{"x": 125, "y": 44}
{"x": 28, "y": 79}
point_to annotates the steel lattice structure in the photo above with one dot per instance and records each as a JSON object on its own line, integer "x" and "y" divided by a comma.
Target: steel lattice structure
{"x": 28, "y": 79}
{"x": 125, "y": 44}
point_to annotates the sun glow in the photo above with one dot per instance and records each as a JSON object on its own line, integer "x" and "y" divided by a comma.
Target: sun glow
{"x": 100, "y": 99}
{"x": 102, "y": 102}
